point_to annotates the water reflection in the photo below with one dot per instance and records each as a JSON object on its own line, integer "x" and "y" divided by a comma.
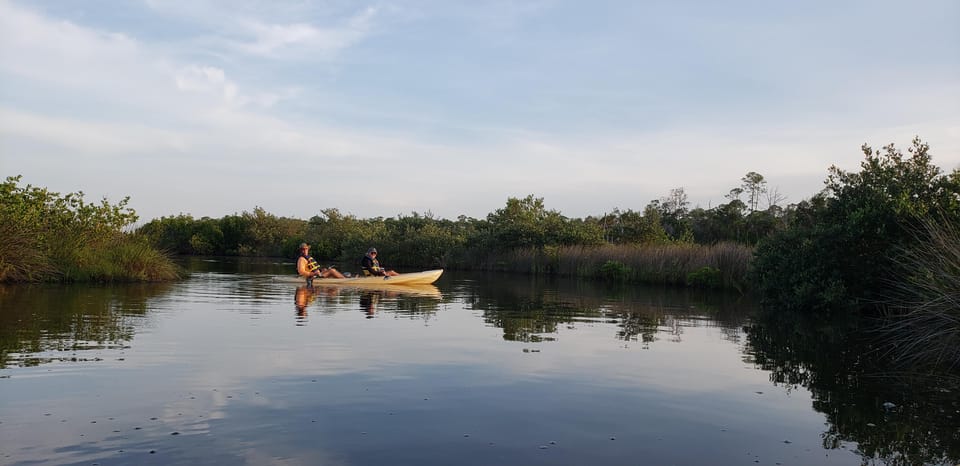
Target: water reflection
{"x": 46, "y": 322}
{"x": 534, "y": 309}
{"x": 894, "y": 417}
{"x": 238, "y": 265}
{"x": 518, "y": 363}
{"x": 411, "y": 300}
{"x": 368, "y": 303}
{"x": 301, "y": 299}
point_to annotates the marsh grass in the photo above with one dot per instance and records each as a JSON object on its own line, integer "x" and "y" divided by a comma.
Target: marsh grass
{"x": 924, "y": 329}
{"x": 21, "y": 259}
{"x": 118, "y": 257}
{"x": 671, "y": 264}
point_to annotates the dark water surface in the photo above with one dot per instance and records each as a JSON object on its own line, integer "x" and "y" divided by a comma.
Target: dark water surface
{"x": 234, "y": 366}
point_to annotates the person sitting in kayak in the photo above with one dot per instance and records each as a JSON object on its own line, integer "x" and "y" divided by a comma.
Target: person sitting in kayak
{"x": 371, "y": 266}
{"x": 308, "y": 268}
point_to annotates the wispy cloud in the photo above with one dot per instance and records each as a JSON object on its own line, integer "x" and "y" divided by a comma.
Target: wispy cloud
{"x": 229, "y": 96}
{"x": 36, "y": 47}
{"x": 274, "y": 30}
{"x": 284, "y": 40}
{"x": 83, "y": 138}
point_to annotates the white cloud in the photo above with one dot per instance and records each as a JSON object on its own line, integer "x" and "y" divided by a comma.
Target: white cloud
{"x": 58, "y": 51}
{"x": 274, "y": 40}
{"x": 81, "y": 90}
{"x": 207, "y": 79}
{"x": 85, "y": 137}
{"x": 275, "y": 30}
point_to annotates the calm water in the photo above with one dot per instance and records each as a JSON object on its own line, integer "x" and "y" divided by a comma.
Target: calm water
{"x": 234, "y": 366}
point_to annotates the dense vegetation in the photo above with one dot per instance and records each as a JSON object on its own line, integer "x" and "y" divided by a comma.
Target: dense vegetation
{"x": 836, "y": 251}
{"x": 842, "y": 249}
{"x": 665, "y": 243}
{"x": 53, "y": 237}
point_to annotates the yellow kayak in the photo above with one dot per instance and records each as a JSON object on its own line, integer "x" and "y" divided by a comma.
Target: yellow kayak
{"x": 416, "y": 278}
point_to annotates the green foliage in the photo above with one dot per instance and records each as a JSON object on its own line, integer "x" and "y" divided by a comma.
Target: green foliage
{"x": 48, "y": 213}
{"x": 755, "y": 187}
{"x": 705, "y": 277}
{"x": 521, "y": 223}
{"x": 21, "y": 258}
{"x": 49, "y": 236}
{"x": 526, "y": 222}
{"x": 837, "y": 251}
{"x": 250, "y": 233}
{"x": 615, "y": 271}
{"x": 631, "y": 227}
{"x": 267, "y": 232}
{"x": 522, "y": 236}
{"x": 172, "y": 234}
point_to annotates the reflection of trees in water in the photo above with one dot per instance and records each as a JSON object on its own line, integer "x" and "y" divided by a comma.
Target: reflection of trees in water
{"x": 533, "y": 309}
{"x": 39, "y": 318}
{"x": 529, "y": 319}
{"x": 642, "y": 326}
{"x": 238, "y": 265}
{"x": 895, "y": 418}
{"x": 412, "y": 306}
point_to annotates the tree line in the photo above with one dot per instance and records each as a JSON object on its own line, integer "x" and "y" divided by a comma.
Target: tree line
{"x": 842, "y": 248}
{"x": 423, "y": 240}
{"x": 861, "y": 243}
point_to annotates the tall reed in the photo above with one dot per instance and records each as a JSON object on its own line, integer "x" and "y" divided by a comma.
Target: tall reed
{"x": 670, "y": 264}
{"x": 925, "y": 327}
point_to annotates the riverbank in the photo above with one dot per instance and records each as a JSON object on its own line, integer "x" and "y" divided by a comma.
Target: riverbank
{"x": 49, "y": 237}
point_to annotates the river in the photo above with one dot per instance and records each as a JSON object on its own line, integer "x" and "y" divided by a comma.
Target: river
{"x": 235, "y": 365}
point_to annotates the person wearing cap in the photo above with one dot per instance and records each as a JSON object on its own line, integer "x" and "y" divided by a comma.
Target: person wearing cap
{"x": 371, "y": 266}
{"x": 308, "y": 268}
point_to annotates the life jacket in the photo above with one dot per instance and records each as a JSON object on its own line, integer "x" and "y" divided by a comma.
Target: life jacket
{"x": 373, "y": 269}
{"x": 312, "y": 265}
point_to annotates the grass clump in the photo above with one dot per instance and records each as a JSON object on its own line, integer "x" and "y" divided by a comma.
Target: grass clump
{"x": 704, "y": 277}
{"x": 924, "y": 331}
{"x": 615, "y": 271}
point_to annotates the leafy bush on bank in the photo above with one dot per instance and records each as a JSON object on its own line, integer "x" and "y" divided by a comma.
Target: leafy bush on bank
{"x": 838, "y": 253}
{"x": 53, "y": 237}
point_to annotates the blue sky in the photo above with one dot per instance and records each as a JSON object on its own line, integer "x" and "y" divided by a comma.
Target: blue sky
{"x": 214, "y": 107}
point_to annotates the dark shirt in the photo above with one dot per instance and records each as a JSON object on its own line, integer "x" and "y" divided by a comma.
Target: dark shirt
{"x": 371, "y": 266}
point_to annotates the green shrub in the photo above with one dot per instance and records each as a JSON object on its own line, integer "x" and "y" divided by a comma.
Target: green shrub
{"x": 615, "y": 271}
{"x": 837, "y": 253}
{"x": 46, "y": 236}
{"x": 705, "y": 277}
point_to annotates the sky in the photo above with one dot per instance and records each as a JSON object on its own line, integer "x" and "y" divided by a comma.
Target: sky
{"x": 449, "y": 107}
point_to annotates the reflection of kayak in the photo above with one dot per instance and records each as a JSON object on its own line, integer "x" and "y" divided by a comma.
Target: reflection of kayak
{"x": 404, "y": 279}
{"x": 381, "y": 288}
